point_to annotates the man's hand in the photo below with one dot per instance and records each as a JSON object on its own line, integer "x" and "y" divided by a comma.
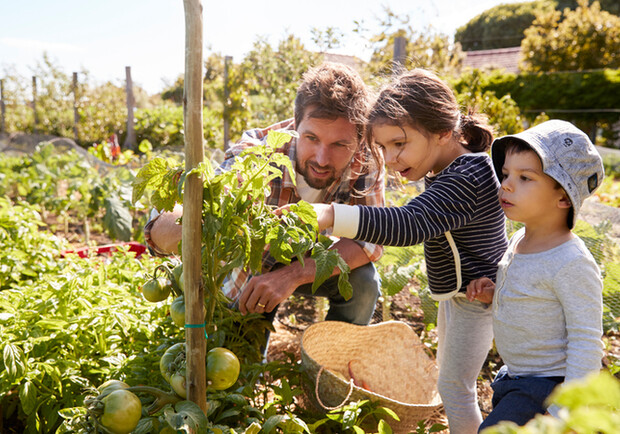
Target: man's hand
{"x": 481, "y": 289}
{"x": 166, "y": 233}
{"x": 266, "y": 291}
{"x": 324, "y": 214}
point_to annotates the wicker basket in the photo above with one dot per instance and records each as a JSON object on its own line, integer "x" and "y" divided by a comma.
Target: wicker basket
{"x": 386, "y": 358}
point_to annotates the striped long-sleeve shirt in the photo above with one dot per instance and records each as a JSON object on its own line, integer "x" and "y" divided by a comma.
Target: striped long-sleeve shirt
{"x": 461, "y": 199}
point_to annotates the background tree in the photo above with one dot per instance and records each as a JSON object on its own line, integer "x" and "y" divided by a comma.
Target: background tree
{"x": 272, "y": 76}
{"x": 587, "y": 38}
{"x": 611, "y": 6}
{"x": 424, "y": 49}
{"x": 500, "y": 26}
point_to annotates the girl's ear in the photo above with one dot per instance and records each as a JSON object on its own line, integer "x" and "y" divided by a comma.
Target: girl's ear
{"x": 445, "y": 137}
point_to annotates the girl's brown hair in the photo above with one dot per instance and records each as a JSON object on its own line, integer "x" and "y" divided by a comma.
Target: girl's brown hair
{"x": 421, "y": 100}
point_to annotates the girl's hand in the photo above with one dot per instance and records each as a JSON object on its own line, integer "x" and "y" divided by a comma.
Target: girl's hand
{"x": 481, "y": 289}
{"x": 324, "y": 214}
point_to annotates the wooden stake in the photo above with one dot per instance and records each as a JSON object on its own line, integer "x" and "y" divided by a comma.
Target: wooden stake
{"x": 192, "y": 208}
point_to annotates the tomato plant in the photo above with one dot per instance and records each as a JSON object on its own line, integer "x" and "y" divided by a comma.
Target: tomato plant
{"x": 222, "y": 368}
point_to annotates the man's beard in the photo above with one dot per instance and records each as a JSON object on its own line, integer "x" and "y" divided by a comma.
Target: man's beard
{"x": 318, "y": 184}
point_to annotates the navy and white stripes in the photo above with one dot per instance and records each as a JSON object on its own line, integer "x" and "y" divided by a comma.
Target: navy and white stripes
{"x": 461, "y": 199}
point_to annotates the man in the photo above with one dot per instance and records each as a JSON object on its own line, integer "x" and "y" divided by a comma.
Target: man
{"x": 332, "y": 164}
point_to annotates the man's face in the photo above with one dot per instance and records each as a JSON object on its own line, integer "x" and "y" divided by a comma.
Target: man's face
{"x": 325, "y": 148}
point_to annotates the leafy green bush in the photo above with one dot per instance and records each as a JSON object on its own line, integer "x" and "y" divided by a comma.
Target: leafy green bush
{"x": 78, "y": 325}
{"x": 28, "y": 253}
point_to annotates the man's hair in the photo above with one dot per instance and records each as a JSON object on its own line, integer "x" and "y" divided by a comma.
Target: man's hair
{"x": 333, "y": 90}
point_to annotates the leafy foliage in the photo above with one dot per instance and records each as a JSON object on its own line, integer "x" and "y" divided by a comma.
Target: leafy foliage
{"x": 68, "y": 186}
{"x": 237, "y": 226}
{"x": 424, "y": 49}
{"x": 589, "y": 405}
{"x": 500, "y": 26}
{"x": 586, "y": 38}
{"x": 70, "y": 330}
{"x": 28, "y": 254}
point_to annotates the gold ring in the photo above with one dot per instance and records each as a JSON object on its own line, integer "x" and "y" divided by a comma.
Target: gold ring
{"x": 261, "y": 305}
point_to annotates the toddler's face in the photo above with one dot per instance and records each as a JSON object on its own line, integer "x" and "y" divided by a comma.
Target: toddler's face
{"x": 527, "y": 194}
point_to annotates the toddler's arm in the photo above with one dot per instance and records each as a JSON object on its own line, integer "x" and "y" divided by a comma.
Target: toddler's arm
{"x": 481, "y": 289}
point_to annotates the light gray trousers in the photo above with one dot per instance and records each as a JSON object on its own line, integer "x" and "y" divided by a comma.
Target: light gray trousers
{"x": 465, "y": 335}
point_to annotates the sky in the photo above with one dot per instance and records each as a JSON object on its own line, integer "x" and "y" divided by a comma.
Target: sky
{"x": 105, "y": 36}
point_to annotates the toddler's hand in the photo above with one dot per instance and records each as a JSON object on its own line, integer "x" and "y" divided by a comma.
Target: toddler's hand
{"x": 481, "y": 289}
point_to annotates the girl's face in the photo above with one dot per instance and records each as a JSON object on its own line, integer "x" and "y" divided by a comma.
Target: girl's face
{"x": 409, "y": 152}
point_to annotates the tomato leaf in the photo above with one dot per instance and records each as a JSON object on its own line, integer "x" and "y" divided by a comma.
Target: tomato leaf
{"x": 187, "y": 418}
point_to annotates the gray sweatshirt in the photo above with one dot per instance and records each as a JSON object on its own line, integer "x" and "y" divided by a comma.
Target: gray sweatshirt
{"x": 547, "y": 311}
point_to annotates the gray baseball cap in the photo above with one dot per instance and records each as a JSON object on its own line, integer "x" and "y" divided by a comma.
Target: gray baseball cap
{"x": 567, "y": 155}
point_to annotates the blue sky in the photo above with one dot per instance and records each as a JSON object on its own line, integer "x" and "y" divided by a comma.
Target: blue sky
{"x": 104, "y": 36}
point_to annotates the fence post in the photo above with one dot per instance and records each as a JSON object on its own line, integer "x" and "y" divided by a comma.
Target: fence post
{"x": 2, "y": 107}
{"x": 130, "y": 139}
{"x": 34, "y": 104}
{"x": 226, "y": 113}
{"x": 76, "y": 116}
{"x": 400, "y": 54}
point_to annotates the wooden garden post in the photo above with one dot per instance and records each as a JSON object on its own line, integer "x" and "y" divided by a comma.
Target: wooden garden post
{"x": 192, "y": 208}
{"x": 130, "y": 139}
{"x": 2, "y": 108}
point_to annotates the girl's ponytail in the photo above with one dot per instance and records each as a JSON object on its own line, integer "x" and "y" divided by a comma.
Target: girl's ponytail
{"x": 476, "y": 132}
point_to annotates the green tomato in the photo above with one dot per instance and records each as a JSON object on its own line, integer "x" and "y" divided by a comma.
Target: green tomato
{"x": 110, "y": 386}
{"x": 172, "y": 360}
{"x": 177, "y": 311}
{"x": 222, "y": 368}
{"x": 178, "y": 383}
{"x": 177, "y": 273}
{"x": 156, "y": 289}
{"x": 122, "y": 411}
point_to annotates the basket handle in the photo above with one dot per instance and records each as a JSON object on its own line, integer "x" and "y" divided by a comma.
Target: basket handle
{"x": 316, "y": 392}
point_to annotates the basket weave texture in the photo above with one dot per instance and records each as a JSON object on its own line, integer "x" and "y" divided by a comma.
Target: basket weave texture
{"x": 387, "y": 357}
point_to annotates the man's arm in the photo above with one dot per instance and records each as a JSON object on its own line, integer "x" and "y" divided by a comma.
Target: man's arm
{"x": 266, "y": 291}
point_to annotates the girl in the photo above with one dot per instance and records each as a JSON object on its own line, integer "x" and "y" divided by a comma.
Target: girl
{"x": 416, "y": 123}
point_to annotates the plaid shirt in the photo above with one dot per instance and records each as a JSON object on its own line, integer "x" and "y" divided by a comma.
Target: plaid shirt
{"x": 283, "y": 191}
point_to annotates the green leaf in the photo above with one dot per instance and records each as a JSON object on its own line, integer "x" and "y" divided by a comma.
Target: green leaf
{"x": 117, "y": 220}
{"x": 272, "y": 422}
{"x": 277, "y": 139}
{"x": 28, "y": 397}
{"x": 384, "y": 428}
{"x": 14, "y": 361}
{"x": 187, "y": 418}
{"x": 254, "y": 428}
{"x": 597, "y": 389}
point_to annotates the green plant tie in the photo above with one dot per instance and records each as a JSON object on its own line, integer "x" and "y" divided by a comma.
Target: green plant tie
{"x": 197, "y": 326}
